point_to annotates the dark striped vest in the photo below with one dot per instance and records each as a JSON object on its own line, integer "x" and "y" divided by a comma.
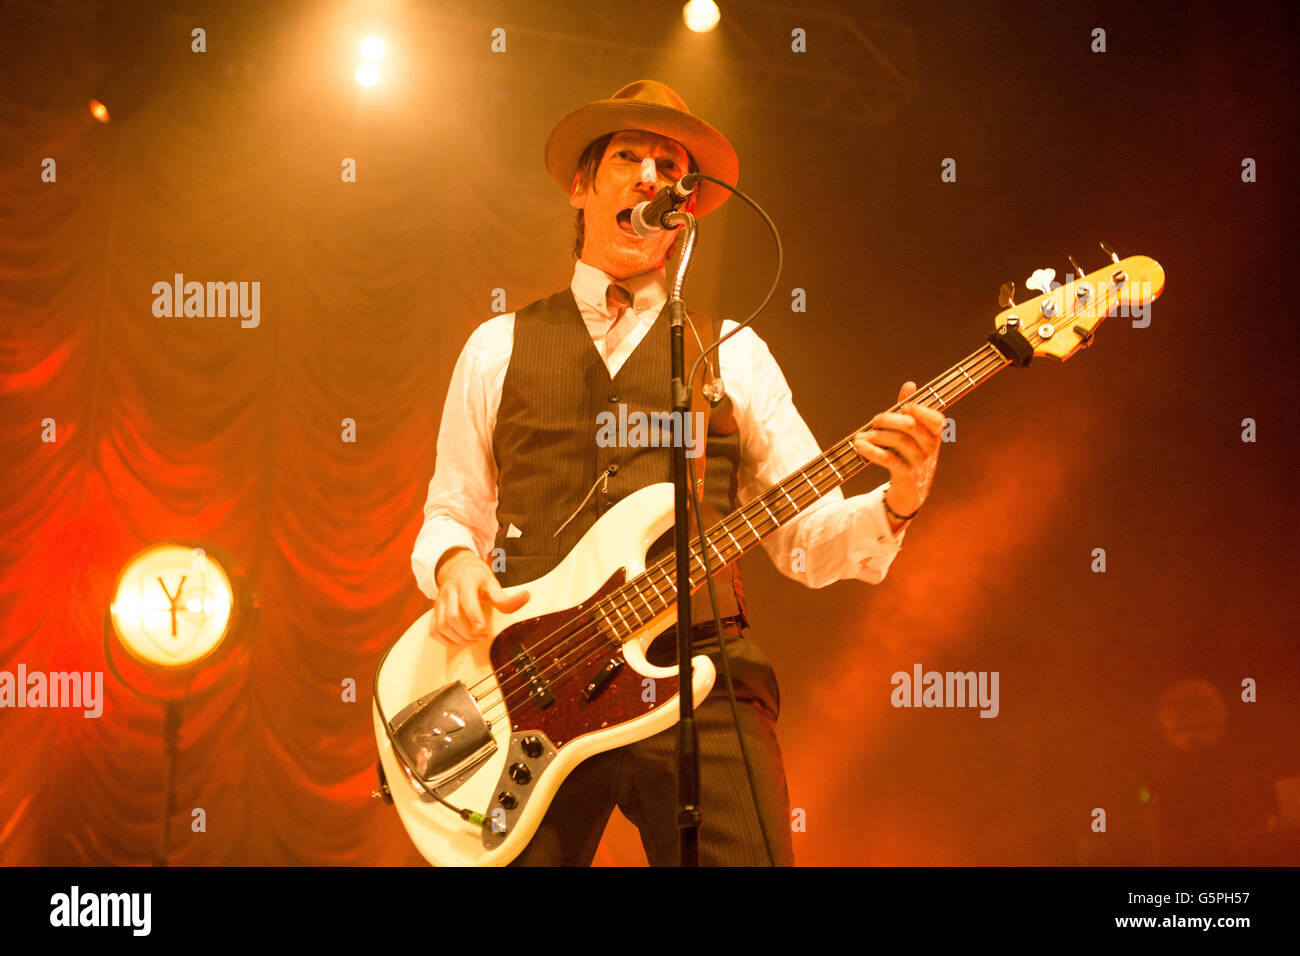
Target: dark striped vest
{"x": 548, "y": 456}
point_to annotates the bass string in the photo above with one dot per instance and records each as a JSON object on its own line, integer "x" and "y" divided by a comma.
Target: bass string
{"x": 991, "y": 361}
{"x": 584, "y": 636}
{"x": 983, "y": 367}
{"x": 986, "y": 362}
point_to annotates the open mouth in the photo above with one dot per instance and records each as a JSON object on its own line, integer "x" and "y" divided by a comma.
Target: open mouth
{"x": 625, "y": 220}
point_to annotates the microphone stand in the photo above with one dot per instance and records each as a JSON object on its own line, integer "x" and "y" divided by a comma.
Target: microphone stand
{"x": 688, "y": 749}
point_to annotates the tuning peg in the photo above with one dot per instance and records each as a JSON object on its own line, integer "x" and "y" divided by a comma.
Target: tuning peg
{"x": 1041, "y": 280}
{"x": 1081, "y": 289}
{"x": 1006, "y": 295}
{"x": 1118, "y": 277}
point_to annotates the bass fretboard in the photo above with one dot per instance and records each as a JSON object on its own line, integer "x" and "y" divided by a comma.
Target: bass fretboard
{"x": 648, "y": 595}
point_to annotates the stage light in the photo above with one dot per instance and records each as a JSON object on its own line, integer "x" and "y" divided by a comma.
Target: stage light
{"x": 701, "y": 15}
{"x": 372, "y": 48}
{"x": 175, "y": 606}
{"x": 172, "y": 606}
{"x": 367, "y": 74}
{"x": 99, "y": 111}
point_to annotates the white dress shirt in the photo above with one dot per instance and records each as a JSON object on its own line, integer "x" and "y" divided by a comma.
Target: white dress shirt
{"x": 834, "y": 539}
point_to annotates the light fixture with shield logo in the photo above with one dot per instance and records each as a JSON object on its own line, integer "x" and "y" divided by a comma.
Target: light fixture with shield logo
{"x": 178, "y": 610}
{"x": 173, "y": 606}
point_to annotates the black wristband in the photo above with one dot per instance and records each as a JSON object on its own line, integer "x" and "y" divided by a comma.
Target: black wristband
{"x": 884, "y": 498}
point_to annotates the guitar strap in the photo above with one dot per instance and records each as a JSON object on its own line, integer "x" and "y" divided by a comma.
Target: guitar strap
{"x": 720, "y": 417}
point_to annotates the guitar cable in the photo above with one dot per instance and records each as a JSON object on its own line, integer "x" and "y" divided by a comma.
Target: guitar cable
{"x": 699, "y": 518}
{"x": 470, "y": 816}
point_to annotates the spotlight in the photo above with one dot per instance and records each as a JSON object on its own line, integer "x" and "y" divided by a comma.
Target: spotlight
{"x": 701, "y": 15}
{"x": 367, "y": 74}
{"x": 169, "y": 630}
{"x": 372, "y": 48}
{"x": 99, "y": 111}
{"x": 178, "y": 612}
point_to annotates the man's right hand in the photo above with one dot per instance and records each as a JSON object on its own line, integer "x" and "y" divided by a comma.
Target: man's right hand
{"x": 466, "y": 586}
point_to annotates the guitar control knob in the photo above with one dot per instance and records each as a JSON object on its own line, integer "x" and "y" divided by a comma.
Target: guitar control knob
{"x": 507, "y": 800}
{"x": 520, "y": 773}
{"x": 532, "y": 746}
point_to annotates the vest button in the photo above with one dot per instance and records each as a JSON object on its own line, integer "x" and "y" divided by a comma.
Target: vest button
{"x": 613, "y": 398}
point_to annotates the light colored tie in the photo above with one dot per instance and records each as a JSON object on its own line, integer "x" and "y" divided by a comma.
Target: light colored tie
{"x": 619, "y": 302}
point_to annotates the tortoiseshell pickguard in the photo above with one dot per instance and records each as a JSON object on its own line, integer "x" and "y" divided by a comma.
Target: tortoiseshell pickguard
{"x": 548, "y": 638}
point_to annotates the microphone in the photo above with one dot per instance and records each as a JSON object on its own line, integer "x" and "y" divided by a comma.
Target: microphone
{"x": 647, "y": 217}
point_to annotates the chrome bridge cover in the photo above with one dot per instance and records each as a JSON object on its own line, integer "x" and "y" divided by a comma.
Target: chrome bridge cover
{"x": 441, "y": 736}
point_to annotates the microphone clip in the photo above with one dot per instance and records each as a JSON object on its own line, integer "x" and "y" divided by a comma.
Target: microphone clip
{"x": 648, "y": 216}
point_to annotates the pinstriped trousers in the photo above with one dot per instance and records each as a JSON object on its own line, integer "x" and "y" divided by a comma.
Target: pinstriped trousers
{"x": 641, "y": 780}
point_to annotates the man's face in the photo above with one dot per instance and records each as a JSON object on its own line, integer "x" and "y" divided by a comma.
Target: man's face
{"x": 609, "y": 243}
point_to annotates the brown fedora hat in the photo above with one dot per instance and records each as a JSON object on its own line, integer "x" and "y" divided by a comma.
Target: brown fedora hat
{"x": 651, "y": 106}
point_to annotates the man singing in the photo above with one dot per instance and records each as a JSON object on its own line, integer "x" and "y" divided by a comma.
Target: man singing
{"x": 520, "y": 469}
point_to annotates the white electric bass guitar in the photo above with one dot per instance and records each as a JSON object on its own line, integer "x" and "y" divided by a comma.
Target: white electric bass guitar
{"x": 475, "y": 741}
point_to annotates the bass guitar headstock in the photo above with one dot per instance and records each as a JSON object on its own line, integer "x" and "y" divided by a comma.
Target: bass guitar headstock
{"x": 1062, "y": 319}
